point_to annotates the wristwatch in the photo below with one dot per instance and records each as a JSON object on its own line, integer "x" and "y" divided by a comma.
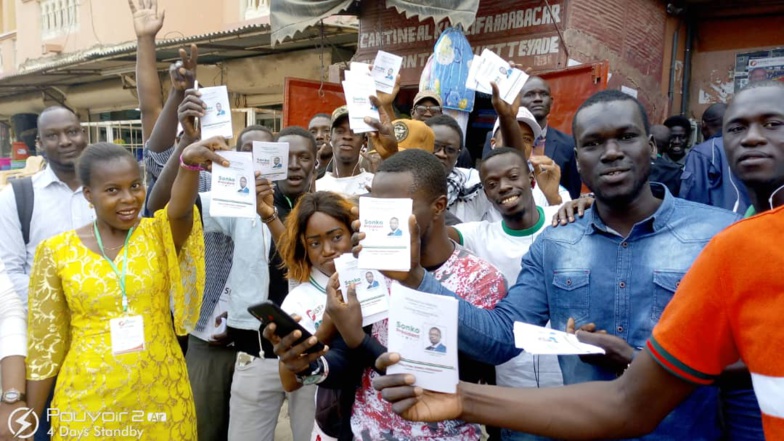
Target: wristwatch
{"x": 315, "y": 374}
{"x": 12, "y": 396}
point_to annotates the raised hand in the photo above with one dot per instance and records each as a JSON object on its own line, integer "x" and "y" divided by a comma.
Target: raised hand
{"x": 265, "y": 195}
{"x": 347, "y": 316}
{"x": 548, "y": 177}
{"x": 183, "y": 72}
{"x": 411, "y": 402}
{"x": 147, "y": 22}
{"x": 411, "y": 278}
{"x": 190, "y": 108}
{"x": 203, "y": 153}
{"x": 383, "y": 138}
{"x": 502, "y": 108}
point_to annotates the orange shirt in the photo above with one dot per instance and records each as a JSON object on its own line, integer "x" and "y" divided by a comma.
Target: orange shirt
{"x": 730, "y": 305}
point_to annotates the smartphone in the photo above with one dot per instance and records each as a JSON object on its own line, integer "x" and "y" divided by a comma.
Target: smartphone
{"x": 268, "y": 312}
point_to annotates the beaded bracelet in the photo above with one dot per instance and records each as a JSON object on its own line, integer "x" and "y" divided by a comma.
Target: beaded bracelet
{"x": 190, "y": 167}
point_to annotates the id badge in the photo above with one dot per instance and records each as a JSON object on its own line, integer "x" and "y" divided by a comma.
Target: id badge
{"x": 127, "y": 334}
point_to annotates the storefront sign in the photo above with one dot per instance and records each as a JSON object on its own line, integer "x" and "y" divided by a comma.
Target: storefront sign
{"x": 525, "y": 33}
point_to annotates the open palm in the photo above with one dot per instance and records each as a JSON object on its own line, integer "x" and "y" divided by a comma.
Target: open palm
{"x": 146, "y": 19}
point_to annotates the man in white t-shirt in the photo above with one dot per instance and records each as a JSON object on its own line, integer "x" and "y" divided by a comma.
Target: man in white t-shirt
{"x": 346, "y": 177}
{"x": 507, "y": 184}
{"x": 466, "y": 200}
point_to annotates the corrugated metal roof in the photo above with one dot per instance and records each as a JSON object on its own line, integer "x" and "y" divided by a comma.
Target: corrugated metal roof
{"x": 101, "y": 51}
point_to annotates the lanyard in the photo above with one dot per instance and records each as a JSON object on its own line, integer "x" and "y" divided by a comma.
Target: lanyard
{"x": 120, "y": 278}
{"x": 289, "y": 201}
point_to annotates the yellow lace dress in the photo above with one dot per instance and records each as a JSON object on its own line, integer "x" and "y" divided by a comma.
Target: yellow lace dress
{"x": 74, "y": 293}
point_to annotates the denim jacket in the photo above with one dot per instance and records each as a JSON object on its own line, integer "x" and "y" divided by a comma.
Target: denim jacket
{"x": 587, "y": 271}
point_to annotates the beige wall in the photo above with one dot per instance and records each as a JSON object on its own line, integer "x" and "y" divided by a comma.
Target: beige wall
{"x": 109, "y": 22}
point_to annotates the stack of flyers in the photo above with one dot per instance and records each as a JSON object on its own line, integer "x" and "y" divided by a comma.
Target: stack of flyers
{"x": 371, "y": 287}
{"x": 217, "y": 118}
{"x": 233, "y": 187}
{"x": 387, "y": 243}
{"x": 488, "y": 68}
{"x": 358, "y": 88}
{"x": 385, "y": 70}
{"x": 271, "y": 159}
{"x": 423, "y": 330}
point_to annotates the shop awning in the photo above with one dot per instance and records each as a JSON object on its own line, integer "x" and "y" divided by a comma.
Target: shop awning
{"x": 291, "y": 16}
{"x": 101, "y": 63}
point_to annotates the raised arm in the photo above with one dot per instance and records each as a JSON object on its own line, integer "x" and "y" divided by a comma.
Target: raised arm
{"x": 186, "y": 186}
{"x": 265, "y": 207}
{"x": 147, "y": 22}
{"x": 191, "y": 107}
{"x": 183, "y": 77}
{"x": 507, "y": 117}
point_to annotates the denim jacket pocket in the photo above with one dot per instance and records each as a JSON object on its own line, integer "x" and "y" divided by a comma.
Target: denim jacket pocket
{"x": 571, "y": 293}
{"x": 666, "y": 283}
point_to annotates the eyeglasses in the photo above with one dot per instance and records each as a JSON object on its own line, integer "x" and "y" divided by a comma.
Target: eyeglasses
{"x": 448, "y": 149}
{"x": 432, "y": 109}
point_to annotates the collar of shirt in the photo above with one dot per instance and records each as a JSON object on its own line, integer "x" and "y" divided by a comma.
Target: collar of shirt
{"x": 319, "y": 280}
{"x": 47, "y": 177}
{"x": 651, "y": 224}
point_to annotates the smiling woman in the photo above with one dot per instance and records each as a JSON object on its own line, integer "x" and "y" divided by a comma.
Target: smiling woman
{"x": 100, "y": 299}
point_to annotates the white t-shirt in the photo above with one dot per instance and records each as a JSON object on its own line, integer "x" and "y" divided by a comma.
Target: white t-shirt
{"x": 350, "y": 186}
{"x": 504, "y": 248}
{"x": 308, "y": 300}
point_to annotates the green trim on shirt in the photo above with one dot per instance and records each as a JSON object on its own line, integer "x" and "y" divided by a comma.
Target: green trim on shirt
{"x": 460, "y": 235}
{"x": 750, "y": 212}
{"x": 527, "y": 231}
{"x": 317, "y": 285}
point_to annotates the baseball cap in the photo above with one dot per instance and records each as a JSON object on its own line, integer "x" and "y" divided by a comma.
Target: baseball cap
{"x": 338, "y": 113}
{"x": 525, "y": 116}
{"x": 412, "y": 134}
{"x": 423, "y": 94}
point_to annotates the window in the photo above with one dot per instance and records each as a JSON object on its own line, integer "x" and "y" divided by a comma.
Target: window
{"x": 58, "y": 17}
{"x": 254, "y": 8}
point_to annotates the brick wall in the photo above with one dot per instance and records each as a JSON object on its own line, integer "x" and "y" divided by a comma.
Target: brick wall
{"x": 628, "y": 33}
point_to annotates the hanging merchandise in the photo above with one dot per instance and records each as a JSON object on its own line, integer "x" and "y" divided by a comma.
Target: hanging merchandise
{"x": 452, "y": 57}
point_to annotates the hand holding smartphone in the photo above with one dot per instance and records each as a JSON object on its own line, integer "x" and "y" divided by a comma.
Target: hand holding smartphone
{"x": 268, "y": 312}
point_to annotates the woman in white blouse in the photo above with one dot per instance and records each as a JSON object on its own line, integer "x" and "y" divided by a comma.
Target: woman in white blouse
{"x": 13, "y": 349}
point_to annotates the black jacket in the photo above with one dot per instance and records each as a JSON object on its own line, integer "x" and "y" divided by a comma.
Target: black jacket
{"x": 559, "y": 147}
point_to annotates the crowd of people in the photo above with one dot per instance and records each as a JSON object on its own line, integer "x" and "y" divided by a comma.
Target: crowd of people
{"x": 111, "y": 278}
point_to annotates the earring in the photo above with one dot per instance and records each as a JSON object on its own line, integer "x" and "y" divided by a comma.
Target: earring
{"x": 91, "y": 205}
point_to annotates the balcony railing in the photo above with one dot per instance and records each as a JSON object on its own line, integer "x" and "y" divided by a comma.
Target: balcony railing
{"x": 254, "y": 8}
{"x": 58, "y": 17}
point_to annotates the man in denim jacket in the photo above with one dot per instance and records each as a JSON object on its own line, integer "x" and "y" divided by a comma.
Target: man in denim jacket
{"x": 615, "y": 269}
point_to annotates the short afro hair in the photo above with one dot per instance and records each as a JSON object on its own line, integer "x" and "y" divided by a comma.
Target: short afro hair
{"x": 610, "y": 96}
{"x": 446, "y": 120}
{"x": 428, "y": 172}
{"x": 302, "y": 132}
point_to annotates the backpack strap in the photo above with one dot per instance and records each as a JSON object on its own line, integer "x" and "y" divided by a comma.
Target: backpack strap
{"x": 23, "y": 192}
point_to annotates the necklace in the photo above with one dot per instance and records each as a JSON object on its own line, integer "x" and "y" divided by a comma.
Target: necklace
{"x": 106, "y": 248}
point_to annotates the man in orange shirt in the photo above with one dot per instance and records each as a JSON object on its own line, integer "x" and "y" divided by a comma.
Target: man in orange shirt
{"x": 724, "y": 310}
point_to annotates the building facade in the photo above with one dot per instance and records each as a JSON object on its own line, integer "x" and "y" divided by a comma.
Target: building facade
{"x": 81, "y": 54}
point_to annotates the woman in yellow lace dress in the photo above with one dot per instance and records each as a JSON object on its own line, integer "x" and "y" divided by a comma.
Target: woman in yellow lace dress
{"x": 101, "y": 303}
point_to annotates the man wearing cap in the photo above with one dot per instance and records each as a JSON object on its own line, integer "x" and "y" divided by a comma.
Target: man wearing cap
{"x": 427, "y": 104}
{"x": 551, "y": 143}
{"x": 346, "y": 177}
